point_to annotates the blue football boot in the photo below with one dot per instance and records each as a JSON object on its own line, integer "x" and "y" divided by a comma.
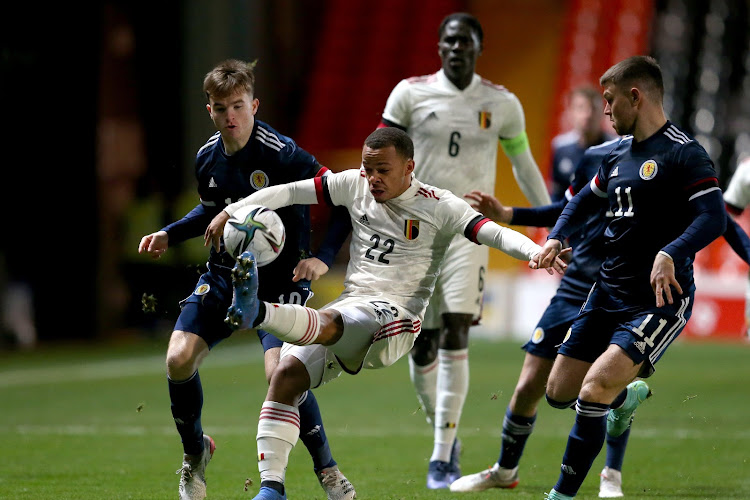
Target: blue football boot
{"x": 438, "y": 475}
{"x": 266, "y": 493}
{"x": 244, "y": 309}
{"x": 455, "y": 466}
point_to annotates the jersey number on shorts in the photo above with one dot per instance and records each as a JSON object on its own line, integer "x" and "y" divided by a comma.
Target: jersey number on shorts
{"x": 388, "y": 244}
{"x": 640, "y": 330}
{"x": 453, "y": 146}
{"x": 383, "y": 308}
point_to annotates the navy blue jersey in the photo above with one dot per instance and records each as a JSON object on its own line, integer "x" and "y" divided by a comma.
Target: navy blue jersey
{"x": 567, "y": 152}
{"x": 588, "y": 242}
{"x": 652, "y": 188}
{"x": 269, "y": 158}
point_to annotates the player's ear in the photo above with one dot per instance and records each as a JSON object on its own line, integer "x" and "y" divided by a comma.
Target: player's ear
{"x": 635, "y": 96}
{"x": 255, "y": 104}
{"x": 409, "y": 166}
{"x": 208, "y": 107}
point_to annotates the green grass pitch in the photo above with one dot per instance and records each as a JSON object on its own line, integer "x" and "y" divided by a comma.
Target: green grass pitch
{"x": 93, "y": 422}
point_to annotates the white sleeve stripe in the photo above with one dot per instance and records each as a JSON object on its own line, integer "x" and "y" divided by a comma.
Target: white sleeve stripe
{"x": 271, "y": 138}
{"x": 271, "y": 145}
{"x": 669, "y": 134}
{"x": 210, "y": 142}
{"x": 596, "y": 190}
{"x": 679, "y": 133}
{"x": 701, "y": 193}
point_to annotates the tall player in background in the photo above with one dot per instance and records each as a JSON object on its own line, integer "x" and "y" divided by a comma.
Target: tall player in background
{"x": 456, "y": 118}
{"x": 244, "y": 156}
{"x": 737, "y": 198}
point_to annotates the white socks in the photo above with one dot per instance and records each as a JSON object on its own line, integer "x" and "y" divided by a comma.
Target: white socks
{"x": 292, "y": 323}
{"x": 452, "y": 387}
{"x": 424, "y": 379}
{"x": 278, "y": 431}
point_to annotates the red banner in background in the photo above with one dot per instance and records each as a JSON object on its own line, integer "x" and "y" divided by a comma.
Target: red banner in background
{"x": 721, "y": 279}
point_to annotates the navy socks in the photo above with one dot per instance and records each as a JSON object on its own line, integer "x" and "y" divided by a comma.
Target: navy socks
{"x": 187, "y": 402}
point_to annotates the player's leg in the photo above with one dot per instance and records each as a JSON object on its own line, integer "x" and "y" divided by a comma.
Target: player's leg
{"x": 199, "y": 327}
{"x": 610, "y": 479}
{"x": 279, "y": 426}
{"x": 279, "y": 422}
{"x": 541, "y": 351}
{"x": 605, "y": 380}
{"x": 636, "y": 345}
{"x": 312, "y": 431}
{"x": 452, "y": 388}
{"x": 620, "y": 417}
{"x": 184, "y": 354}
{"x": 520, "y": 414}
{"x": 518, "y": 424}
{"x": 423, "y": 369}
{"x": 459, "y": 298}
{"x": 586, "y": 341}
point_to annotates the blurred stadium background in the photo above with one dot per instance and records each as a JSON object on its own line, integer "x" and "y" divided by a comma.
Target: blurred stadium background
{"x": 105, "y": 113}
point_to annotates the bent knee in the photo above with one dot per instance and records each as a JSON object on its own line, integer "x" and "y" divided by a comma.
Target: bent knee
{"x": 184, "y": 354}
{"x": 290, "y": 376}
{"x": 425, "y": 347}
{"x": 562, "y": 405}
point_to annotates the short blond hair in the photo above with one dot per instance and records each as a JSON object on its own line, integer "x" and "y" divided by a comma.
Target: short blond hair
{"x": 228, "y": 77}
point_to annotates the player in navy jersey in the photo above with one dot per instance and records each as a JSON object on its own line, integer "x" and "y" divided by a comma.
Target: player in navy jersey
{"x": 244, "y": 156}
{"x": 663, "y": 204}
{"x": 585, "y": 112}
{"x": 541, "y": 349}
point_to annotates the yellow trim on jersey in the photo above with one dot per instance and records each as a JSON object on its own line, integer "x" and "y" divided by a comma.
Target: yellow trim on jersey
{"x": 515, "y": 145}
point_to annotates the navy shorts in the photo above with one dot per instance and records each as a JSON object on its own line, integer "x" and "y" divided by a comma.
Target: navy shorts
{"x": 203, "y": 312}
{"x": 552, "y": 327}
{"x": 643, "y": 331}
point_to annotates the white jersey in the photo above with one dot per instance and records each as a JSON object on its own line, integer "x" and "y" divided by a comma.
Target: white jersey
{"x": 738, "y": 191}
{"x": 397, "y": 247}
{"x": 455, "y": 132}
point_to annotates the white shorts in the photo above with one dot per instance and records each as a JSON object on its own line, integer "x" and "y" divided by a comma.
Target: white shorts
{"x": 377, "y": 332}
{"x": 460, "y": 285}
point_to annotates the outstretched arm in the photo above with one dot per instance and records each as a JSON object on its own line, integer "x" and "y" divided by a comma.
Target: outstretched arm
{"x": 544, "y": 216}
{"x": 188, "y": 227}
{"x": 737, "y": 239}
{"x": 273, "y": 197}
{"x": 575, "y": 213}
{"x": 514, "y": 244}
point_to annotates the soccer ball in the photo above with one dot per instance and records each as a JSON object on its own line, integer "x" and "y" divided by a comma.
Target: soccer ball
{"x": 255, "y": 228}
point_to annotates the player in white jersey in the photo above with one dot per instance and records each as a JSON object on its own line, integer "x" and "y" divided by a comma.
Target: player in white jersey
{"x": 401, "y": 230}
{"x": 737, "y": 198}
{"x": 456, "y": 119}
